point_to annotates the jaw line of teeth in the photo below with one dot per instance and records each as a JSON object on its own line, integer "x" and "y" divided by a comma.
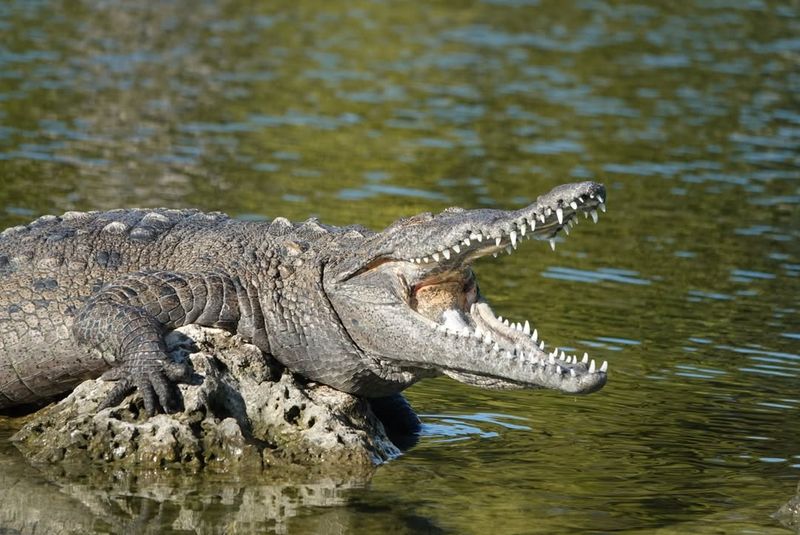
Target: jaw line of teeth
{"x": 523, "y": 228}
{"x": 454, "y": 325}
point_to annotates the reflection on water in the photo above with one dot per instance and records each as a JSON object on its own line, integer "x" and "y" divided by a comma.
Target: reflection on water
{"x": 367, "y": 111}
{"x": 50, "y": 499}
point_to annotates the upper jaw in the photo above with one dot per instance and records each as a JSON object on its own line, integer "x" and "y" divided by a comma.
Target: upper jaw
{"x": 466, "y": 236}
{"x": 457, "y": 237}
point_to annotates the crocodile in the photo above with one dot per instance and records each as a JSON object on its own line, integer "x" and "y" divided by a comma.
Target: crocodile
{"x": 92, "y": 294}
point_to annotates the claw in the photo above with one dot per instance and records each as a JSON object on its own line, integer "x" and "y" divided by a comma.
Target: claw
{"x": 148, "y": 396}
{"x": 166, "y": 392}
{"x": 120, "y": 391}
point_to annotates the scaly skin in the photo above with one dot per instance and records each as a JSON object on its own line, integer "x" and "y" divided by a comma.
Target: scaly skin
{"x": 367, "y": 313}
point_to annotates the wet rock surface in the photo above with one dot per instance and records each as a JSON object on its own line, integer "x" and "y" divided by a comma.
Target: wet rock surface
{"x": 248, "y": 413}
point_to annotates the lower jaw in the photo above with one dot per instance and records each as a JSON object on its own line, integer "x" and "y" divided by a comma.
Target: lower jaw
{"x": 514, "y": 338}
{"x": 481, "y": 319}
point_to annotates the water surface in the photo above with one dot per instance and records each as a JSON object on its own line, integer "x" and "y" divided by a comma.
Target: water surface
{"x": 367, "y": 111}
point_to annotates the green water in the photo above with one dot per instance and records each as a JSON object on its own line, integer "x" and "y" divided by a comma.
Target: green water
{"x": 365, "y": 111}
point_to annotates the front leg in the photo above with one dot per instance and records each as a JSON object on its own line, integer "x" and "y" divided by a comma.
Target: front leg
{"x": 126, "y": 321}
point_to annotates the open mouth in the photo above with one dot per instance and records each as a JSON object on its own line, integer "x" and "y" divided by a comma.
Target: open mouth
{"x": 444, "y": 292}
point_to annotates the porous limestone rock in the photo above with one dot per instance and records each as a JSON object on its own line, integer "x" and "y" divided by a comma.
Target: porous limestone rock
{"x": 246, "y": 412}
{"x": 789, "y": 513}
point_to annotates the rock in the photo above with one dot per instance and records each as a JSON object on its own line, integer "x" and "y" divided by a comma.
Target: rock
{"x": 789, "y": 513}
{"x": 248, "y": 413}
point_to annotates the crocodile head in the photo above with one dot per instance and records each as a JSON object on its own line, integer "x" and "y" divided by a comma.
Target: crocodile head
{"x": 410, "y": 302}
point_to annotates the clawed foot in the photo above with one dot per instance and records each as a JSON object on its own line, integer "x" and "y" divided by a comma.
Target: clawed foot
{"x": 155, "y": 379}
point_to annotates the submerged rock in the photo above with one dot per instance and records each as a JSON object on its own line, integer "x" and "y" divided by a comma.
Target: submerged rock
{"x": 248, "y": 412}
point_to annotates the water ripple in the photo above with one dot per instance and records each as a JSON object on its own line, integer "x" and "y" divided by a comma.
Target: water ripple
{"x": 456, "y": 427}
{"x": 593, "y": 276}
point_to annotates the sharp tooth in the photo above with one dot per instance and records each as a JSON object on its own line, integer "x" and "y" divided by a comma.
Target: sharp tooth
{"x": 417, "y": 260}
{"x": 446, "y": 254}
{"x": 479, "y": 237}
{"x": 523, "y": 228}
{"x": 487, "y": 339}
{"x": 558, "y": 370}
{"x": 535, "y": 335}
{"x": 604, "y": 367}
{"x": 467, "y": 243}
{"x": 585, "y": 358}
{"x": 500, "y": 319}
{"x": 514, "y": 238}
{"x": 541, "y": 218}
{"x": 585, "y": 215}
{"x": 593, "y": 213}
{"x": 494, "y": 255}
{"x": 574, "y": 205}
{"x": 541, "y": 344}
{"x": 603, "y": 207}
{"x": 560, "y": 215}
{"x": 571, "y": 372}
{"x": 600, "y": 199}
{"x": 553, "y": 244}
{"x": 551, "y": 359}
{"x": 566, "y": 229}
{"x": 426, "y": 259}
{"x": 505, "y": 322}
{"x": 548, "y": 211}
{"x": 509, "y": 250}
{"x": 435, "y": 256}
{"x": 498, "y": 240}
{"x": 527, "y": 328}
{"x": 591, "y": 367}
{"x": 533, "y": 224}
{"x": 563, "y": 355}
{"x": 456, "y": 248}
